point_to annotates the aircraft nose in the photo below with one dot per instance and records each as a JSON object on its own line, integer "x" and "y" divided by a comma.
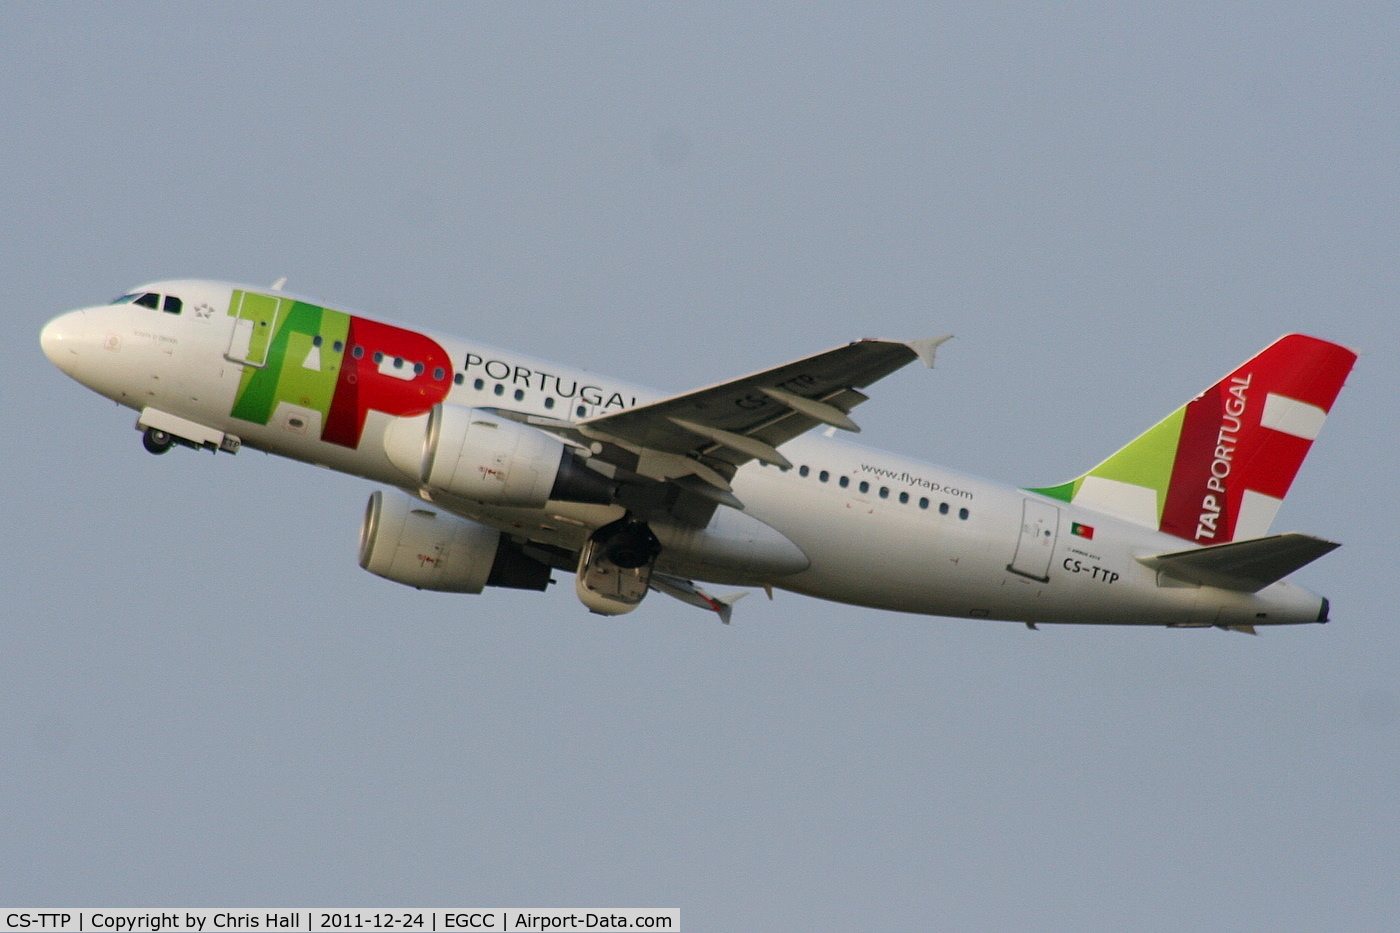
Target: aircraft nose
{"x": 59, "y": 338}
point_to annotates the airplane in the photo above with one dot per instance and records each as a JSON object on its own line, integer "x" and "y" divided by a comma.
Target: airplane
{"x": 502, "y": 469}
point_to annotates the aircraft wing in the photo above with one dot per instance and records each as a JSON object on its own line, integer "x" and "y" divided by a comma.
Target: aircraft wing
{"x": 709, "y": 433}
{"x": 687, "y": 592}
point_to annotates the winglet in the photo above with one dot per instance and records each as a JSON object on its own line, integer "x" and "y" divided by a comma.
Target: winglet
{"x": 725, "y": 605}
{"x": 926, "y": 348}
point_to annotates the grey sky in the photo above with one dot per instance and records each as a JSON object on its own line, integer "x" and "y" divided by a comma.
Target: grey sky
{"x": 205, "y": 702}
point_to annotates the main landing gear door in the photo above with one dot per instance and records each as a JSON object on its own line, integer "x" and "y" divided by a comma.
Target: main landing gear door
{"x": 614, "y": 567}
{"x": 1040, "y": 526}
{"x": 254, "y": 322}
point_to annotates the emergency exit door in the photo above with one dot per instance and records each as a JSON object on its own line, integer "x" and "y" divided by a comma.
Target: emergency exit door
{"x": 1040, "y": 526}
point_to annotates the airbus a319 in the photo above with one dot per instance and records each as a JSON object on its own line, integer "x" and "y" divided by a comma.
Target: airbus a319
{"x": 502, "y": 470}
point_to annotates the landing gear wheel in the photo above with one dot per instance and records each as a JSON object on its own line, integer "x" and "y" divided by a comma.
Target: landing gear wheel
{"x": 157, "y": 441}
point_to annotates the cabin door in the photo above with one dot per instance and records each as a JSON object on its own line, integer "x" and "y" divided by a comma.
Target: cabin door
{"x": 254, "y": 322}
{"x": 1040, "y": 525}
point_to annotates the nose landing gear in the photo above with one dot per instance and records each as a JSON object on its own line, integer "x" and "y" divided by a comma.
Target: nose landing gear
{"x": 161, "y": 430}
{"x": 157, "y": 441}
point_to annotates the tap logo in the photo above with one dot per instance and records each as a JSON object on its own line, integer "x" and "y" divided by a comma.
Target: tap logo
{"x": 333, "y": 363}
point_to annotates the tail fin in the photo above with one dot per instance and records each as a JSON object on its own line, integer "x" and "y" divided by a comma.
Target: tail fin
{"x": 1217, "y": 469}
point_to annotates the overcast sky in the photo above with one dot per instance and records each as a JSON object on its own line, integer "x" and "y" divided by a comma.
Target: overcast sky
{"x": 205, "y": 702}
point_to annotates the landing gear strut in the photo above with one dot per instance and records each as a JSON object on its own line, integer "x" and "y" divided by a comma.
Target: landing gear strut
{"x": 157, "y": 441}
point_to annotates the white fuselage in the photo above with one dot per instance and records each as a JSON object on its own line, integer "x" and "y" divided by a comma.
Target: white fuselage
{"x": 877, "y": 529}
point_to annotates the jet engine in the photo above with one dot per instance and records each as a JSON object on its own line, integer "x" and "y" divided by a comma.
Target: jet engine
{"x": 474, "y": 454}
{"x": 404, "y": 540}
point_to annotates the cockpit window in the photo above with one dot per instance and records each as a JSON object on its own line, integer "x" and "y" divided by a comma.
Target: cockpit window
{"x": 151, "y": 300}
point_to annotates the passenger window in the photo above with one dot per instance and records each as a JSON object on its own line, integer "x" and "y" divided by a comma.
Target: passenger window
{"x": 904, "y": 498}
{"x": 942, "y": 508}
{"x": 963, "y": 514}
{"x": 149, "y": 300}
{"x": 439, "y": 373}
{"x": 519, "y": 395}
{"x": 844, "y": 481}
{"x": 173, "y": 305}
{"x": 823, "y": 476}
{"x": 923, "y": 502}
{"x": 802, "y": 471}
{"x": 884, "y": 492}
{"x": 864, "y": 486}
{"x": 458, "y": 379}
{"x": 549, "y": 402}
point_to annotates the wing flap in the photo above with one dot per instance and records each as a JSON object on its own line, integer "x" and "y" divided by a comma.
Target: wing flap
{"x": 1246, "y": 566}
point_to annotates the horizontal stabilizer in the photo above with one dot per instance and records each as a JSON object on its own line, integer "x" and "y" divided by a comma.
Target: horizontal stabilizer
{"x": 1246, "y": 566}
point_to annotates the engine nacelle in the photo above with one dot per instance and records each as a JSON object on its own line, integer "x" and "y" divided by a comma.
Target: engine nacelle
{"x": 474, "y": 454}
{"x": 408, "y": 542}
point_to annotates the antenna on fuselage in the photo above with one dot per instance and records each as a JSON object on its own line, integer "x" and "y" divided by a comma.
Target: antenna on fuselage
{"x": 277, "y": 286}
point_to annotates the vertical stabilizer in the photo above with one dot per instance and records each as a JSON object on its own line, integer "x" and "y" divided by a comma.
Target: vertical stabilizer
{"x": 1217, "y": 469}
